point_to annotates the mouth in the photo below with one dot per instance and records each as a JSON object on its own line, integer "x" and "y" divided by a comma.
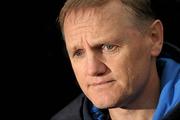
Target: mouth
{"x": 101, "y": 83}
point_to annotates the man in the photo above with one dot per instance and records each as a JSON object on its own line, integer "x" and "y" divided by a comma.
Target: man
{"x": 113, "y": 47}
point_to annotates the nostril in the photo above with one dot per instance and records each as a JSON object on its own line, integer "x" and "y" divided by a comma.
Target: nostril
{"x": 100, "y": 74}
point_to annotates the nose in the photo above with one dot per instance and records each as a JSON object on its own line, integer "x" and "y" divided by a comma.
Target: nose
{"x": 95, "y": 66}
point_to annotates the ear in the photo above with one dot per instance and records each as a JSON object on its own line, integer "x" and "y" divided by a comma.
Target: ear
{"x": 156, "y": 36}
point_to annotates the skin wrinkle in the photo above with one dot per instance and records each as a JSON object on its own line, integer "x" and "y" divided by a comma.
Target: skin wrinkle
{"x": 140, "y": 24}
{"x": 131, "y": 66}
{"x": 84, "y": 27}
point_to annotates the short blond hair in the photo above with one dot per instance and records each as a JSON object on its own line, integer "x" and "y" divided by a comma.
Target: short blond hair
{"x": 141, "y": 9}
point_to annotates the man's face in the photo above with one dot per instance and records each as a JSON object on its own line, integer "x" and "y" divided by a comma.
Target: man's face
{"x": 109, "y": 55}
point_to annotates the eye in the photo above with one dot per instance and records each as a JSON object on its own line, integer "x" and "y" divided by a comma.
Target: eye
{"x": 78, "y": 53}
{"x": 108, "y": 47}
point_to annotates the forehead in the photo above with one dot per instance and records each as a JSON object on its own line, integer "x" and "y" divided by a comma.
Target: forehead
{"x": 96, "y": 25}
{"x": 113, "y": 11}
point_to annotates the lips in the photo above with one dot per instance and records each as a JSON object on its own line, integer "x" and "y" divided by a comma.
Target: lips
{"x": 101, "y": 82}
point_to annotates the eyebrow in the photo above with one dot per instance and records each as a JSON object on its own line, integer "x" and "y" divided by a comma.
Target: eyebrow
{"x": 100, "y": 42}
{"x": 109, "y": 40}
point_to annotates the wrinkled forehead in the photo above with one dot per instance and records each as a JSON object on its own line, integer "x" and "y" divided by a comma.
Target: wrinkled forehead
{"x": 83, "y": 15}
{"x": 96, "y": 15}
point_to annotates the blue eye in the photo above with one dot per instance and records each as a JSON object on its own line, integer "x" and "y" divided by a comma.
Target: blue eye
{"x": 78, "y": 53}
{"x": 108, "y": 47}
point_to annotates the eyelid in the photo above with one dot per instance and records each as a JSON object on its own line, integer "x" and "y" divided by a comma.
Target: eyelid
{"x": 105, "y": 49}
{"x": 78, "y": 53}
{"x": 101, "y": 47}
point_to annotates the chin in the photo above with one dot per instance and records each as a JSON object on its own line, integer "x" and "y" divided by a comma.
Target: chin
{"x": 109, "y": 101}
{"x": 104, "y": 102}
{"x": 109, "y": 97}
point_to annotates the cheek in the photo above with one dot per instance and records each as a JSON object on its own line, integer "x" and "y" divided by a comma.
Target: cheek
{"x": 119, "y": 67}
{"x": 138, "y": 71}
{"x": 120, "y": 63}
{"x": 126, "y": 69}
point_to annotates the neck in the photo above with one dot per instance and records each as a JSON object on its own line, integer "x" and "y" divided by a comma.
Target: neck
{"x": 125, "y": 114}
{"x": 143, "y": 106}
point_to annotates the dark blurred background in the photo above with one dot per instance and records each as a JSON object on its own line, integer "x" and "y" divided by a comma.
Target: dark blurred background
{"x": 62, "y": 86}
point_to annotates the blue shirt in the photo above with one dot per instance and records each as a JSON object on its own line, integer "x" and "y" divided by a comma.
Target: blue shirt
{"x": 170, "y": 88}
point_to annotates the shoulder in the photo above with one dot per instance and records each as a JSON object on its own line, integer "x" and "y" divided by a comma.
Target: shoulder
{"x": 170, "y": 88}
{"x": 71, "y": 111}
